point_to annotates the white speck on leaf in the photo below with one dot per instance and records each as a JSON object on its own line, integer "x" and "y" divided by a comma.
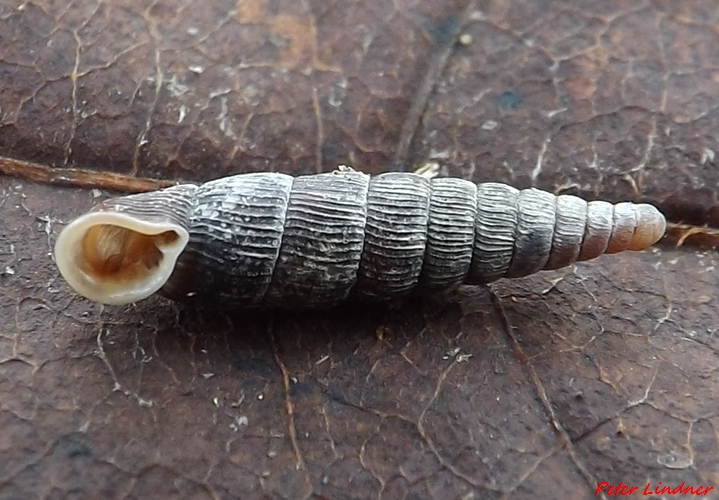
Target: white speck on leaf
{"x": 176, "y": 88}
{"x": 144, "y": 402}
{"x": 489, "y": 125}
{"x": 707, "y": 156}
{"x": 219, "y": 92}
{"x": 451, "y": 353}
{"x": 337, "y": 93}
{"x": 225, "y": 125}
{"x": 240, "y": 421}
{"x": 675, "y": 460}
{"x": 440, "y": 155}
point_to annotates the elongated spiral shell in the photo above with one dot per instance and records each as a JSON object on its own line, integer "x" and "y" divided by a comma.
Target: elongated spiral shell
{"x": 271, "y": 240}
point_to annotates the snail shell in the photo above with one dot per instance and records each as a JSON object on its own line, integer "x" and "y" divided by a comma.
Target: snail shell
{"x": 271, "y": 240}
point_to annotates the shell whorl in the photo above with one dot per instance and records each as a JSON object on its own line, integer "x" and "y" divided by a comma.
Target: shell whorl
{"x": 271, "y": 240}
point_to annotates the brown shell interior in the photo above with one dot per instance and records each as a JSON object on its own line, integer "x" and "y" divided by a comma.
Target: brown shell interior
{"x": 118, "y": 254}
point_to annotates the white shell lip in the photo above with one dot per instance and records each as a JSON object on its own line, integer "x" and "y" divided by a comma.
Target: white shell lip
{"x": 68, "y": 253}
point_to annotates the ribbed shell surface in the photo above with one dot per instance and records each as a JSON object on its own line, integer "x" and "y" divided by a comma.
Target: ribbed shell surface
{"x": 395, "y": 235}
{"x": 236, "y": 229}
{"x": 271, "y": 240}
{"x": 173, "y": 205}
{"x": 322, "y": 241}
